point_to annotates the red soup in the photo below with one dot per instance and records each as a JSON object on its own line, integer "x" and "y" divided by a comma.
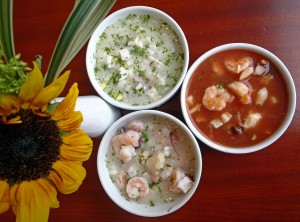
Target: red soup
{"x": 237, "y": 98}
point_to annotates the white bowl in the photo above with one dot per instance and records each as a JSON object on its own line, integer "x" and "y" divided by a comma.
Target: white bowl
{"x": 291, "y": 98}
{"x": 139, "y": 10}
{"x": 114, "y": 192}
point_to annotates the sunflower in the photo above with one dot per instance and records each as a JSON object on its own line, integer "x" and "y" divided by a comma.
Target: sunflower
{"x": 42, "y": 148}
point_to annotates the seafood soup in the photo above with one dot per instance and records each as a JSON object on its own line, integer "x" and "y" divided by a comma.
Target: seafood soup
{"x": 237, "y": 98}
{"x": 151, "y": 160}
{"x": 139, "y": 59}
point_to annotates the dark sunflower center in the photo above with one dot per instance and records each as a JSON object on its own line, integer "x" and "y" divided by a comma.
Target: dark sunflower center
{"x": 28, "y": 149}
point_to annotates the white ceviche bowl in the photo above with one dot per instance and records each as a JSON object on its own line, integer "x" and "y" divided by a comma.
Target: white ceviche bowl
{"x": 238, "y": 98}
{"x": 156, "y": 174}
{"x": 137, "y": 58}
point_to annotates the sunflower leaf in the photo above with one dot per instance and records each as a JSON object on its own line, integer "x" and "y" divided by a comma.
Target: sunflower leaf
{"x": 80, "y": 25}
{"x": 6, "y": 29}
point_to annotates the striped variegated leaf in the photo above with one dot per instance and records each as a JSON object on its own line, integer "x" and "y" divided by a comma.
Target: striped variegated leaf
{"x": 6, "y": 30}
{"x": 80, "y": 25}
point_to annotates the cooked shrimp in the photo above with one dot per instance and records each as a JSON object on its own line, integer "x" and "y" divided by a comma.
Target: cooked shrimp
{"x": 136, "y": 136}
{"x": 177, "y": 175}
{"x": 126, "y": 153}
{"x": 241, "y": 90}
{"x": 180, "y": 182}
{"x": 121, "y": 140}
{"x": 216, "y": 98}
{"x": 136, "y": 125}
{"x": 155, "y": 164}
{"x": 238, "y": 66}
{"x": 137, "y": 187}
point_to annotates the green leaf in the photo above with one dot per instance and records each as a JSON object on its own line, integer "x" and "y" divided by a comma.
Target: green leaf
{"x": 80, "y": 25}
{"x": 6, "y": 30}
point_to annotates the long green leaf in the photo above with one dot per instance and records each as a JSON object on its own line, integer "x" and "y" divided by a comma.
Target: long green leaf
{"x": 6, "y": 29}
{"x": 80, "y": 25}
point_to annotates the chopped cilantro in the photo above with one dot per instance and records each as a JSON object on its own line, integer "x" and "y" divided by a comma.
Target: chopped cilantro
{"x": 145, "y": 137}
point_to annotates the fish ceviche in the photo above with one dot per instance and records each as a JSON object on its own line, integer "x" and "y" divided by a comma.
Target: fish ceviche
{"x": 237, "y": 98}
{"x": 139, "y": 59}
{"x": 151, "y": 161}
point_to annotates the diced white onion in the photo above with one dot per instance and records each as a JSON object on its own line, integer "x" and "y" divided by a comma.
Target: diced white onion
{"x": 132, "y": 171}
{"x": 123, "y": 72}
{"x": 168, "y": 150}
{"x": 124, "y": 53}
{"x": 109, "y": 61}
{"x": 190, "y": 100}
{"x": 195, "y": 108}
{"x": 226, "y": 117}
{"x": 216, "y": 123}
{"x": 273, "y": 99}
{"x": 185, "y": 184}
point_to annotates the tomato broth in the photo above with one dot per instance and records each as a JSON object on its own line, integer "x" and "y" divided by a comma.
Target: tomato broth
{"x": 237, "y": 98}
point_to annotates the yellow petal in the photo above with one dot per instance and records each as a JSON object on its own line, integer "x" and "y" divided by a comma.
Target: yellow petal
{"x": 4, "y": 196}
{"x": 14, "y": 120}
{"x": 31, "y": 88}
{"x": 67, "y": 176}
{"x": 67, "y": 106}
{"x": 50, "y": 92}
{"x": 75, "y": 153}
{"x": 50, "y": 190}
{"x": 73, "y": 122}
{"x": 77, "y": 146}
{"x": 31, "y": 200}
{"x": 77, "y": 138}
{"x": 8, "y": 104}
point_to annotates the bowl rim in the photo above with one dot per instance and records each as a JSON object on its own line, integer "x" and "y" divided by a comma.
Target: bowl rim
{"x": 111, "y": 19}
{"x": 290, "y": 88}
{"x": 103, "y": 176}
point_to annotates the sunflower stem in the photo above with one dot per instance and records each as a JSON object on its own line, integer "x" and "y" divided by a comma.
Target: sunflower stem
{"x": 80, "y": 25}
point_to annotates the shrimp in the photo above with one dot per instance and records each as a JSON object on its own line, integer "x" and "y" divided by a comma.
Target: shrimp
{"x": 121, "y": 140}
{"x": 137, "y": 187}
{"x": 126, "y": 153}
{"x": 238, "y": 66}
{"x": 136, "y": 125}
{"x": 180, "y": 182}
{"x": 122, "y": 146}
{"x": 241, "y": 90}
{"x": 215, "y": 98}
{"x": 155, "y": 164}
{"x": 136, "y": 136}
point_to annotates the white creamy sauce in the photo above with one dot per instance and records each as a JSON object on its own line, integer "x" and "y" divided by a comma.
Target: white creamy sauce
{"x": 139, "y": 59}
{"x": 163, "y": 149}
